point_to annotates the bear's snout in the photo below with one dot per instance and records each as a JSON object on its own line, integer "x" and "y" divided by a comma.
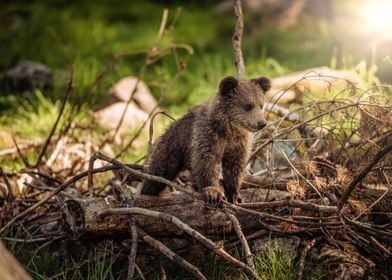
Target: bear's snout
{"x": 261, "y": 124}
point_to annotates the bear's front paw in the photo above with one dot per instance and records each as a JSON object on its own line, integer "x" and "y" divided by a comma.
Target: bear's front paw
{"x": 235, "y": 198}
{"x": 213, "y": 195}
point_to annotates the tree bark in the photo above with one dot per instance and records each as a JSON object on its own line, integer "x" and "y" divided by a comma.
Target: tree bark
{"x": 80, "y": 216}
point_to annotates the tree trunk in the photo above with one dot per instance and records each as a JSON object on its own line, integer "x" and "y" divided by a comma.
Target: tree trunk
{"x": 80, "y": 217}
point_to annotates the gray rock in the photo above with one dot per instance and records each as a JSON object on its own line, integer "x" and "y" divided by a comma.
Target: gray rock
{"x": 27, "y": 75}
{"x": 108, "y": 113}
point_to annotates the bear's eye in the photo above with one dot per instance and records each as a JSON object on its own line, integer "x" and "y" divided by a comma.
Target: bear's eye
{"x": 248, "y": 107}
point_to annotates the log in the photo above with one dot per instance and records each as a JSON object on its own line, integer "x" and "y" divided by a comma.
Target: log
{"x": 10, "y": 268}
{"x": 80, "y": 216}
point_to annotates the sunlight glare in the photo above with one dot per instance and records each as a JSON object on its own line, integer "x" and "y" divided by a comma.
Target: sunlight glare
{"x": 377, "y": 15}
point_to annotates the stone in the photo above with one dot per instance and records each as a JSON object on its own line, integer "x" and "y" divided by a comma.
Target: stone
{"x": 27, "y": 75}
{"x": 108, "y": 113}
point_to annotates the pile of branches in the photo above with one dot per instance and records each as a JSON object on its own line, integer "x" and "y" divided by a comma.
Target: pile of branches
{"x": 339, "y": 201}
{"x": 331, "y": 157}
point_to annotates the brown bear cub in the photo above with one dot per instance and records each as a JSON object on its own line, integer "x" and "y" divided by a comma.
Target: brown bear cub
{"x": 212, "y": 141}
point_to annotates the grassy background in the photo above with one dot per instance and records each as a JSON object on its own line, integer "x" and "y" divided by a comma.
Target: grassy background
{"x": 86, "y": 35}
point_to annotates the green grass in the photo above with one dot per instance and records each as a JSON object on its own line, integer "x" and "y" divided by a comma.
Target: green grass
{"x": 86, "y": 36}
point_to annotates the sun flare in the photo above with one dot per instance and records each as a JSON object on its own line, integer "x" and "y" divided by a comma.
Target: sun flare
{"x": 377, "y": 16}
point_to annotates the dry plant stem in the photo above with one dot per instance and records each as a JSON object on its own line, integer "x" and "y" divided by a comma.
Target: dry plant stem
{"x": 159, "y": 246}
{"x": 237, "y": 38}
{"x": 184, "y": 227}
{"x": 285, "y": 131}
{"x": 53, "y": 193}
{"x": 151, "y": 128}
{"x": 143, "y": 69}
{"x": 14, "y": 150}
{"x": 18, "y": 151}
{"x": 126, "y": 147}
{"x": 241, "y": 237}
{"x": 299, "y": 173}
{"x": 133, "y": 253}
{"x": 380, "y": 155}
{"x": 278, "y": 218}
{"x": 254, "y": 235}
{"x": 146, "y": 176}
{"x": 382, "y": 248}
{"x": 291, "y": 203}
{"x": 137, "y": 134}
{"x": 90, "y": 183}
{"x": 66, "y": 97}
{"x": 302, "y": 261}
{"x": 10, "y": 193}
{"x": 368, "y": 228}
{"x": 139, "y": 271}
{"x": 55, "y": 236}
{"x": 162, "y": 270}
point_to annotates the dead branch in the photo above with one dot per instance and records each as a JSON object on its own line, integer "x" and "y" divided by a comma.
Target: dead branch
{"x": 237, "y": 38}
{"x": 133, "y": 253}
{"x": 62, "y": 107}
{"x": 159, "y": 246}
{"x": 382, "y": 153}
{"x": 291, "y": 203}
{"x": 142, "y": 71}
{"x": 242, "y": 239}
{"x": 304, "y": 255}
{"x": 184, "y": 227}
{"x": 57, "y": 190}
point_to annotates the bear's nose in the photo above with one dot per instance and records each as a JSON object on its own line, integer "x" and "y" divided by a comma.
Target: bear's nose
{"x": 261, "y": 124}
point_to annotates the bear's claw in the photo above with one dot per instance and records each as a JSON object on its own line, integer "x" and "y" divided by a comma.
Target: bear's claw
{"x": 213, "y": 195}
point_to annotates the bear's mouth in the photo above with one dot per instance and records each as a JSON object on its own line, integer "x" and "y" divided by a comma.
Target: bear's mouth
{"x": 253, "y": 128}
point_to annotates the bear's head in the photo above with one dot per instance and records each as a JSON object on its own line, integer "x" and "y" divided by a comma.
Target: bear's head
{"x": 243, "y": 101}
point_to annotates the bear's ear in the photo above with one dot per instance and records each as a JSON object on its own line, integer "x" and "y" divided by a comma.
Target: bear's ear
{"x": 227, "y": 85}
{"x": 263, "y": 82}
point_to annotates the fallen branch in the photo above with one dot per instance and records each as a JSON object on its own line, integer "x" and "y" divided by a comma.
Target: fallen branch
{"x": 159, "y": 246}
{"x": 184, "y": 227}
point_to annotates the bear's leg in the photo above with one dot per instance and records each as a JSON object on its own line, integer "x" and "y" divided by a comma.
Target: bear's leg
{"x": 206, "y": 157}
{"x": 167, "y": 169}
{"x": 233, "y": 165}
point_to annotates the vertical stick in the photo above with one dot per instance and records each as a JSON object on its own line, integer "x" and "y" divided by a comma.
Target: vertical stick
{"x": 237, "y": 40}
{"x": 132, "y": 255}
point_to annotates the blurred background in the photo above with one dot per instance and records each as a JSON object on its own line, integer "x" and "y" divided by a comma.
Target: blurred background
{"x": 105, "y": 41}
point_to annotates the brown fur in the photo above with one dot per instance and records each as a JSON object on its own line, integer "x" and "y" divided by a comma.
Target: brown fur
{"x": 213, "y": 139}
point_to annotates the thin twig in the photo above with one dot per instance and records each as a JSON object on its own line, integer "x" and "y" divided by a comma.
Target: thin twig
{"x": 171, "y": 255}
{"x": 133, "y": 253}
{"x": 382, "y": 153}
{"x": 151, "y": 129}
{"x": 19, "y": 152}
{"x": 237, "y": 38}
{"x": 55, "y": 192}
{"x": 90, "y": 182}
{"x": 147, "y": 176}
{"x": 291, "y": 203}
{"x": 184, "y": 227}
{"x": 142, "y": 71}
{"x": 304, "y": 255}
{"x": 241, "y": 237}
{"x": 47, "y": 142}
